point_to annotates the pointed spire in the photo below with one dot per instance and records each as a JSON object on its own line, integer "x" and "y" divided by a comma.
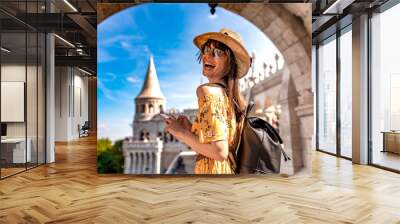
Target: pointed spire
{"x": 151, "y": 85}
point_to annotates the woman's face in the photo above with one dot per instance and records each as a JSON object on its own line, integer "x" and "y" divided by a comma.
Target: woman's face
{"x": 214, "y": 62}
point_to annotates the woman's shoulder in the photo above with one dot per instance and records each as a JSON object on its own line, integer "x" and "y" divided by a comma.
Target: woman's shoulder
{"x": 209, "y": 89}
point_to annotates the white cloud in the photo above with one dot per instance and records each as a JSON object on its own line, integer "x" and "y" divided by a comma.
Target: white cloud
{"x": 102, "y": 126}
{"x": 125, "y": 45}
{"x": 107, "y": 77}
{"x": 133, "y": 80}
{"x": 120, "y": 97}
{"x": 142, "y": 50}
{"x": 119, "y": 38}
{"x": 106, "y": 91}
{"x": 132, "y": 52}
{"x": 103, "y": 56}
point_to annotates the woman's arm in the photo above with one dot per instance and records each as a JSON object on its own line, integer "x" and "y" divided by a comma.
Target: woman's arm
{"x": 185, "y": 122}
{"x": 217, "y": 150}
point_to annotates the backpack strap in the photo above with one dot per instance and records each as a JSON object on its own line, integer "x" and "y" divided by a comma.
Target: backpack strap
{"x": 274, "y": 132}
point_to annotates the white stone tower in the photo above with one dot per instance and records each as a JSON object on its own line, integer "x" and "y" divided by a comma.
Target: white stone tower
{"x": 143, "y": 152}
{"x": 149, "y": 102}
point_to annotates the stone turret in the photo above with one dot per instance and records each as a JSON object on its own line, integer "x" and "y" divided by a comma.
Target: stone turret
{"x": 150, "y": 100}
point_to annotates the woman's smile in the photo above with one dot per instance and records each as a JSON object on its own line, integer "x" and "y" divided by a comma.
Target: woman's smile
{"x": 208, "y": 66}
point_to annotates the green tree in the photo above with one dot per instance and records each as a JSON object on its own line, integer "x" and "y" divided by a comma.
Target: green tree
{"x": 103, "y": 144}
{"x": 118, "y": 145}
{"x": 109, "y": 156}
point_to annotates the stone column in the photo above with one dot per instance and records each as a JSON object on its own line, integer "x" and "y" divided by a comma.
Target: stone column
{"x": 127, "y": 165}
{"x": 140, "y": 163}
{"x": 151, "y": 161}
{"x": 289, "y": 125}
{"x": 158, "y": 162}
{"x": 134, "y": 162}
{"x": 160, "y": 146}
{"x": 143, "y": 159}
{"x": 306, "y": 116}
{"x": 146, "y": 163}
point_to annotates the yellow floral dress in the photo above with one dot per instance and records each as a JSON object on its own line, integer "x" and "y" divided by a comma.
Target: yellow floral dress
{"x": 215, "y": 120}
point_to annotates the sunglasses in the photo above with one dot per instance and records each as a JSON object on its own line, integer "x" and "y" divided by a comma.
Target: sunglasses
{"x": 215, "y": 52}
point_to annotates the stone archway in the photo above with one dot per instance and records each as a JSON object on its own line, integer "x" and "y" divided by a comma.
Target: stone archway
{"x": 288, "y": 26}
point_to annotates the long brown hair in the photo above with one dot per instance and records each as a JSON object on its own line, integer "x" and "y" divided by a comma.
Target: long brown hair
{"x": 230, "y": 79}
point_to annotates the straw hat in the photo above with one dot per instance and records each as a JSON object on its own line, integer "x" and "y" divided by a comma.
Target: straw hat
{"x": 234, "y": 42}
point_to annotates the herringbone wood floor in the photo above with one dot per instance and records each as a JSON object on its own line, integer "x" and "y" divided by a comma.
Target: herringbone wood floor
{"x": 70, "y": 191}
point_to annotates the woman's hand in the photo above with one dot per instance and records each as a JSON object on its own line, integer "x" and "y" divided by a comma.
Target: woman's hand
{"x": 175, "y": 127}
{"x": 217, "y": 150}
{"x": 185, "y": 122}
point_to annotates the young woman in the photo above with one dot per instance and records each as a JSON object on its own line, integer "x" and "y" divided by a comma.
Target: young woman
{"x": 213, "y": 134}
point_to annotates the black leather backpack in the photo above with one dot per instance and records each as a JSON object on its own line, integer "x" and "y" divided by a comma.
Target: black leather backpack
{"x": 259, "y": 147}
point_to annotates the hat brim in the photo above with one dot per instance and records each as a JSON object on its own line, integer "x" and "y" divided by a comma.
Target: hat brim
{"x": 241, "y": 55}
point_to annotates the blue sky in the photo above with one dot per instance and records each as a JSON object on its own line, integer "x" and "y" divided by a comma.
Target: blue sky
{"x": 127, "y": 39}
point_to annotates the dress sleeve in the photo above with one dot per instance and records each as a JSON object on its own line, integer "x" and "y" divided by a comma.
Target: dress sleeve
{"x": 212, "y": 119}
{"x": 196, "y": 125}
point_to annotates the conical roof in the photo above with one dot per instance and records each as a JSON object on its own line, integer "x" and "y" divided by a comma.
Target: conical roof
{"x": 151, "y": 85}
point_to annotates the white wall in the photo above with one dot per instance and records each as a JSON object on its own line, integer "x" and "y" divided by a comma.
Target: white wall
{"x": 16, "y": 73}
{"x": 33, "y": 126}
{"x": 71, "y": 94}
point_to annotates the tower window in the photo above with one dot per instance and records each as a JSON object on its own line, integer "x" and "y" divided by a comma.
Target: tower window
{"x": 165, "y": 137}
{"x": 143, "y": 108}
{"x": 141, "y": 136}
{"x": 160, "y": 135}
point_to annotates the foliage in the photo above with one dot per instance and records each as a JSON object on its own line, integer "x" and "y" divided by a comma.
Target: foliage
{"x": 118, "y": 145}
{"x": 109, "y": 156}
{"x": 103, "y": 144}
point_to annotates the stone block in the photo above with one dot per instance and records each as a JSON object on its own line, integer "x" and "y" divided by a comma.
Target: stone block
{"x": 295, "y": 70}
{"x": 294, "y": 53}
{"x": 262, "y": 16}
{"x": 307, "y": 43}
{"x": 276, "y": 8}
{"x": 251, "y": 10}
{"x": 275, "y": 28}
{"x": 299, "y": 82}
{"x": 304, "y": 65}
{"x": 289, "y": 37}
{"x": 269, "y": 13}
{"x": 280, "y": 43}
{"x": 307, "y": 97}
{"x": 307, "y": 126}
{"x": 258, "y": 21}
{"x": 236, "y": 8}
